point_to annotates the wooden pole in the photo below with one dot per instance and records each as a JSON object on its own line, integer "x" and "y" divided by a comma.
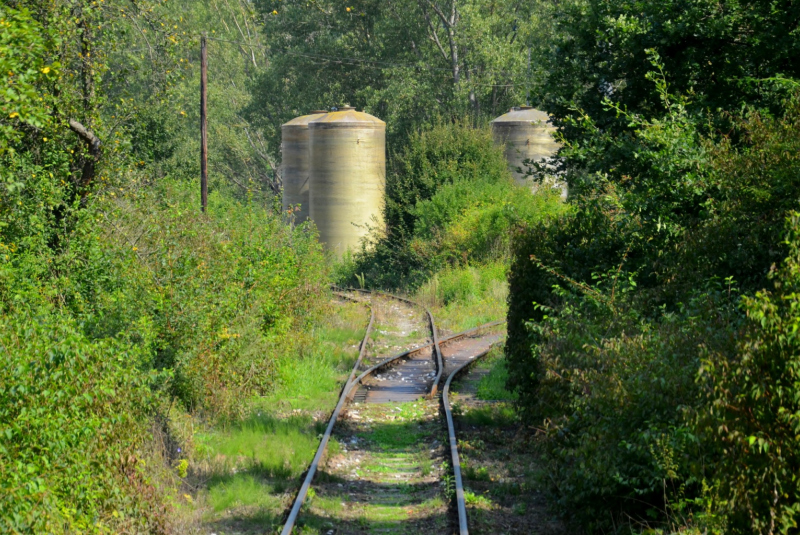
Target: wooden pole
{"x": 203, "y": 124}
{"x": 528, "y": 88}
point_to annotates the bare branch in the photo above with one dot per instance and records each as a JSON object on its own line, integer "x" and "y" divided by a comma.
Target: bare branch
{"x": 450, "y": 24}
{"x": 432, "y": 31}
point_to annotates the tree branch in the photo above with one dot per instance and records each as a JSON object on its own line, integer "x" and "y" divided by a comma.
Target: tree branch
{"x": 93, "y": 144}
{"x": 434, "y": 37}
{"x": 450, "y": 24}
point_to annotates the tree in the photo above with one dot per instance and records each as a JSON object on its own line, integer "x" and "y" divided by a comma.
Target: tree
{"x": 406, "y": 61}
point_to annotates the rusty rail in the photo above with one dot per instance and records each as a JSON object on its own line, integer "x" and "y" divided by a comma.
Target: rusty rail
{"x": 461, "y": 503}
{"x": 363, "y": 349}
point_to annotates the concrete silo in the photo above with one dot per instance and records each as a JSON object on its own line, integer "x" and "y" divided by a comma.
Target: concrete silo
{"x": 527, "y": 135}
{"x": 347, "y": 176}
{"x": 295, "y": 163}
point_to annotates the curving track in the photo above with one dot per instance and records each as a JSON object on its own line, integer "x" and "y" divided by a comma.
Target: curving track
{"x": 405, "y": 376}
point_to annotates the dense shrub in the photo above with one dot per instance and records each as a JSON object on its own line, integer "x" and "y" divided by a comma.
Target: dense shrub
{"x": 442, "y": 154}
{"x": 724, "y": 53}
{"x": 616, "y": 394}
{"x": 73, "y": 417}
{"x": 224, "y": 293}
{"x": 670, "y": 208}
{"x": 574, "y": 245}
{"x": 118, "y": 298}
{"x": 750, "y": 414}
{"x": 449, "y": 199}
{"x": 157, "y": 305}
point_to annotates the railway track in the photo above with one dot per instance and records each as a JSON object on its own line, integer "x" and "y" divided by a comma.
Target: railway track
{"x": 405, "y": 376}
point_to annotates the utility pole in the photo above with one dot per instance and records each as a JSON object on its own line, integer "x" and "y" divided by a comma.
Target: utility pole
{"x": 528, "y": 92}
{"x": 203, "y": 124}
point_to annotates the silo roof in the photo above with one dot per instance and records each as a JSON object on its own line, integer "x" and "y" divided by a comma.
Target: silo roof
{"x": 303, "y": 120}
{"x": 523, "y": 116}
{"x": 347, "y": 117}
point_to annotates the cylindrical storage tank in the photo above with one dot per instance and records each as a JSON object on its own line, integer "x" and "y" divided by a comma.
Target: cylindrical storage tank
{"x": 527, "y": 135}
{"x": 348, "y": 176}
{"x": 295, "y": 163}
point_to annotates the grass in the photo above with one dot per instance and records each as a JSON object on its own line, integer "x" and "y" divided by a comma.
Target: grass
{"x": 400, "y": 436}
{"x": 389, "y": 482}
{"x": 492, "y": 385}
{"x": 477, "y": 474}
{"x": 248, "y": 469}
{"x": 397, "y": 327}
{"x": 464, "y": 297}
{"x": 311, "y": 380}
{"x": 425, "y": 464}
{"x": 496, "y": 415}
{"x": 476, "y": 500}
{"x": 245, "y": 490}
{"x": 264, "y": 444}
{"x": 500, "y": 462}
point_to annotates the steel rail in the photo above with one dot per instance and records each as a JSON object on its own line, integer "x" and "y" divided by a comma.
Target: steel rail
{"x": 461, "y": 503}
{"x": 363, "y": 349}
{"x": 301, "y": 496}
{"x": 437, "y": 352}
{"x": 347, "y": 393}
{"x": 417, "y": 349}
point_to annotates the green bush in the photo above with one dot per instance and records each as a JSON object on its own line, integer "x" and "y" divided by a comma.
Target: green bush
{"x": 750, "y": 414}
{"x": 216, "y": 298}
{"x": 450, "y": 199}
{"x": 616, "y": 393}
{"x": 465, "y": 296}
{"x": 160, "y": 304}
{"x": 73, "y": 415}
{"x": 614, "y": 305}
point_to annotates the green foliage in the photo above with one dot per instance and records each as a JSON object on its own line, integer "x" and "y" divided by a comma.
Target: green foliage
{"x": 242, "y": 467}
{"x": 310, "y": 378}
{"x": 617, "y": 305}
{"x": 601, "y": 50}
{"x": 72, "y": 413}
{"x": 406, "y": 61}
{"x": 492, "y": 386}
{"x": 24, "y": 49}
{"x": 223, "y": 294}
{"x": 164, "y": 128}
{"x": 441, "y": 155}
{"x": 450, "y": 200}
{"x": 117, "y": 297}
{"x": 751, "y": 412}
{"x": 462, "y": 297}
{"x": 615, "y": 390}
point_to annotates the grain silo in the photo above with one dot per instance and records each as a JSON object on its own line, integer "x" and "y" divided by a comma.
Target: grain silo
{"x": 527, "y": 135}
{"x": 294, "y": 163}
{"x": 348, "y": 176}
